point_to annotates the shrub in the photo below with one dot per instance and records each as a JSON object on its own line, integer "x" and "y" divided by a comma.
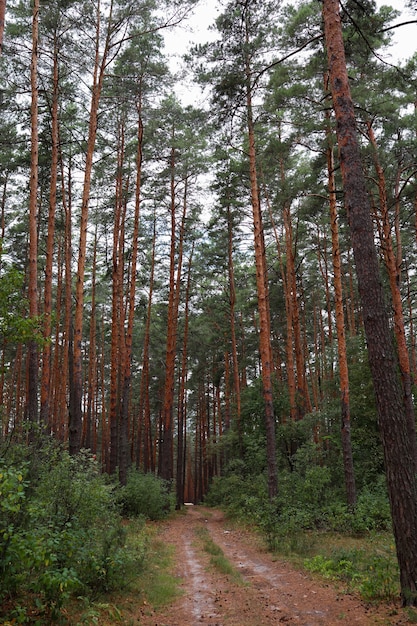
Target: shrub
{"x": 146, "y": 495}
{"x": 61, "y": 533}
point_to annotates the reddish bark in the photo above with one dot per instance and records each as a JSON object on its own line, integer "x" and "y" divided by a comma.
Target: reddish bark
{"x": 32, "y": 394}
{"x": 127, "y": 372}
{"x": 182, "y": 399}
{"x": 393, "y": 265}
{"x": 393, "y": 425}
{"x": 340, "y": 330}
{"x": 47, "y": 309}
{"x": 117, "y": 310}
{"x": 144, "y": 417}
{"x": 262, "y": 292}
{"x": 76, "y": 385}
{"x": 88, "y": 429}
{"x": 166, "y": 459}
{"x": 232, "y": 292}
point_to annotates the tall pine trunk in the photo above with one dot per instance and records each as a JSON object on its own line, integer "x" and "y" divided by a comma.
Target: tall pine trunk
{"x": 233, "y": 340}
{"x": 76, "y": 384}
{"x": 2, "y": 18}
{"x": 144, "y": 418}
{"x": 127, "y": 370}
{"x": 182, "y": 398}
{"x": 263, "y": 303}
{"x": 32, "y": 395}
{"x": 340, "y": 331}
{"x": 47, "y": 310}
{"x": 393, "y": 265}
{"x": 394, "y": 429}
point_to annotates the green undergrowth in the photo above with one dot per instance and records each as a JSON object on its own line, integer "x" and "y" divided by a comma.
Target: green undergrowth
{"x": 310, "y": 525}
{"x": 217, "y": 557}
{"x": 154, "y": 587}
{"x": 66, "y": 542}
{"x": 366, "y": 565}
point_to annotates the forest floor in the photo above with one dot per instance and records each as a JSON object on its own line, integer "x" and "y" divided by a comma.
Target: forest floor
{"x": 261, "y": 590}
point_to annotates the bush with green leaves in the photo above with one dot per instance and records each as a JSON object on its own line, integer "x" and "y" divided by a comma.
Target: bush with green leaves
{"x": 146, "y": 495}
{"x": 62, "y": 532}
{"x": 374, "y": 576}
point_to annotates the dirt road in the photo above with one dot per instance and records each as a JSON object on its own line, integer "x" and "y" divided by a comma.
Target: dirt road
{"x": 270, "y": 592}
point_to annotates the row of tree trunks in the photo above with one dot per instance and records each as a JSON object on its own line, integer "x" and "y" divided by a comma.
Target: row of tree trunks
{"x": 393, "y": 423}
{"x": 393, "y": 265}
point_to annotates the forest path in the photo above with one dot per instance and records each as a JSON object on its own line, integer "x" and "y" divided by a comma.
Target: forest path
{"x": 272, "y": 592}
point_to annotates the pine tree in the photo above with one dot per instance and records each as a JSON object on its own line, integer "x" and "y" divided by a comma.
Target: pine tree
{"x": 398, "y": 449}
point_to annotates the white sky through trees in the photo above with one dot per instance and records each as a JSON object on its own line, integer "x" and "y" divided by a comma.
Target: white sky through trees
{"x": 197, "y": 30}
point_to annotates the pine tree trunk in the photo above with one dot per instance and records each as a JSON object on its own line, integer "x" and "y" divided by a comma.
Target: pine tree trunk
{"x": 117, "y": 313}
{"x": 182, "y": 404}
{"x": 2, "y": 18}
{"x": 394, "y": 429}
{"x": 166, "y": 448}
{"x": 232, "y": 290}
{"x": 144, "y": 416}
{"x": 67, "y": 342}
{"x": 32, "y": 395}
{"x": 87, "y": 439}
{"x": 263, "y": 304}
{"x": 47, "y": 310}
{"x": 340, "y": 330}
{"x": 393, "y": 265}
{"x": 76, "y": 384}
{"x": 127, "y": 373}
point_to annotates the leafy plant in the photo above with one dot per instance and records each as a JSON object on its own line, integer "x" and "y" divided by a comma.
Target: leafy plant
{"x": 374, "y": 576}
{"x": 146, "y": 495}
{"x": 62, "y": 533}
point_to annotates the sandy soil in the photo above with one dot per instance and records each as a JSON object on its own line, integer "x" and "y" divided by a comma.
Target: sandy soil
{"x": 273, "y": 592}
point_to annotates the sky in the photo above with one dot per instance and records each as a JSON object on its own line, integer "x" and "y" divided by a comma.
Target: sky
{"x": 196, "y": 29}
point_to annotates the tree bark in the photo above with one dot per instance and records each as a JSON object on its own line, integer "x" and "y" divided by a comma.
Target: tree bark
{"x": 32, "y": 399}
{"x": 394, "y": 430}
{"x": 47, "y": 310}
{"x": 127, "y": 371}
{"x": 76, "y": 385}
{"x": 232, "y": 290}
{"x": 117, "y": 311}
{"x": 182, "y": 403}
{"x": 340, "y": 331}
{"x": 393, "y": 265}
{"x": 166, "y": 462}
{"x": 2, "y": 19}
{"x": 263, "y": 305}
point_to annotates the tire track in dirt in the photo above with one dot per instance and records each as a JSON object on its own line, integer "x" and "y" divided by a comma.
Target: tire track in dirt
{"x": 273, "y": 594}
{"x": 198, "y": 588}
